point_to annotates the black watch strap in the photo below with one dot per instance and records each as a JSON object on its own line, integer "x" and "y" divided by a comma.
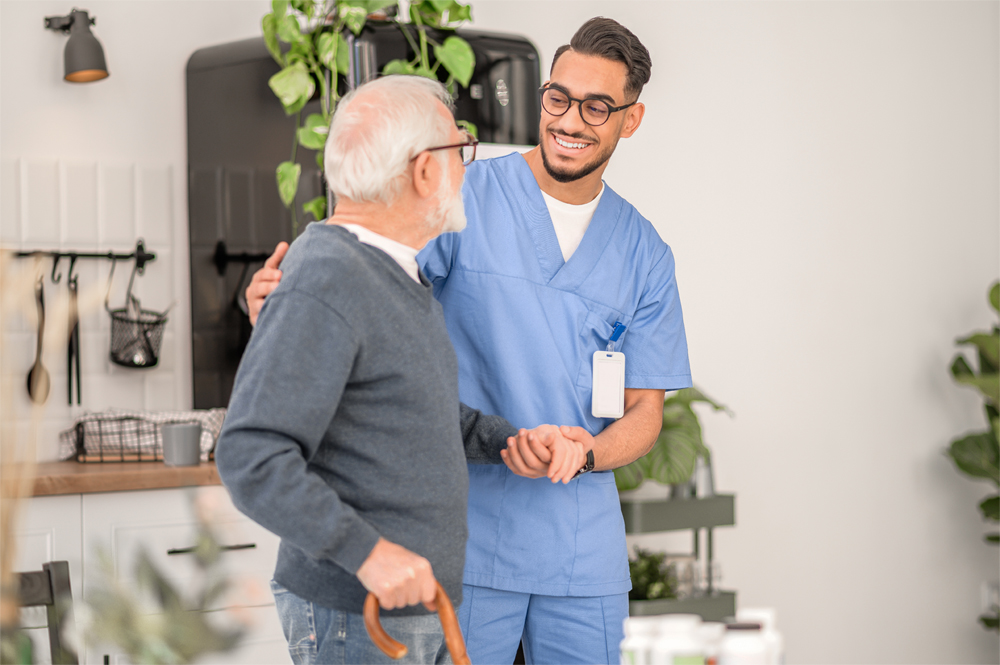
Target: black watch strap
{"x": 589, "y": 466}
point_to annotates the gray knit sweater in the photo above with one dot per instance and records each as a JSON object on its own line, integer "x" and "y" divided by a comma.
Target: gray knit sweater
{"x": 344, "y": 423}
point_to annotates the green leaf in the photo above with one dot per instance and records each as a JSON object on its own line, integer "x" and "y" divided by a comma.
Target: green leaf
{"x": 293, "y": 86}
{"x": 960, "y": 367}
{"x": 993, "y": 538}
{"x": 995, "y": 296}
{"x": 439, "y": 6}
{"x": 269, "y": 26}
{"x": 628, "y": 477}
{"x": 288, "y": 30}
{"x": 397, "y": 67}
{"x": 279, "y": 7}
{"x": 457, "y": 58}
{"x": 469, "y": 127}
{"x": 987, "y": 344}
{"x": 343, "y": 62}
{"x": 987, "y": 384}
{"x": 977, "y": 455}
{"x": 354, "y": 18}
{"x": 317, "y": 207}
{"x": 313, "y": 134}
{"x": 990, "y": 508}
{"x": 319, "y": 159}
{"x": 288, "y": 181}
{"x": 426, "y": 73}
{"x": 460, "y": 13}
{"x": 326, "y": 49}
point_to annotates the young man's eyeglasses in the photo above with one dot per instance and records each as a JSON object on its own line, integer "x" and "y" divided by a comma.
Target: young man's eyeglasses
{"x": 594, "y": 112}
{"x": 466, "y": 150}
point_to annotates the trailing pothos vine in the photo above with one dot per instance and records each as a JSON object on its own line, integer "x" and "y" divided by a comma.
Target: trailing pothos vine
{"x": 306, "y": 38}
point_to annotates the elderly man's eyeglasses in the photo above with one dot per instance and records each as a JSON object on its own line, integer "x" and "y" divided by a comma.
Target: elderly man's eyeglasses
{"x": 466, "y": 150}
{"x": 594, "y": 112}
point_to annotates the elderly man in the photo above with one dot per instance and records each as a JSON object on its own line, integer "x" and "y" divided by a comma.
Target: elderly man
{"x": 344, "y": 434}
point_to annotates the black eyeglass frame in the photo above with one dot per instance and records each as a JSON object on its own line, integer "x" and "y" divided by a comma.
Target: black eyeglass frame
{"x": 469, "y": 141}
{"x": 579, "y": 104}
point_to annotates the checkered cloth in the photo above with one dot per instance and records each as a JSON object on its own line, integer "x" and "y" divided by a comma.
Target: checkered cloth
{"x": 119, "y": 435}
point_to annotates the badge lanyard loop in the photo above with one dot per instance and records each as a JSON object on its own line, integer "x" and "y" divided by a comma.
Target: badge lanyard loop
{"x": 615, "y": 334}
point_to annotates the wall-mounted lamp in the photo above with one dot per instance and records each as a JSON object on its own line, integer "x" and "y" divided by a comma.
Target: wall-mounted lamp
{"x": 84, "y": 57}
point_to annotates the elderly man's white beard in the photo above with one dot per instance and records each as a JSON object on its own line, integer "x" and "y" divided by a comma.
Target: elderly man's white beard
{"x": 449, "y": 213}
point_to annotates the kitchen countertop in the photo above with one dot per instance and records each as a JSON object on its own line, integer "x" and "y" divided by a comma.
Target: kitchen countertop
{"x": 54, "y": 478}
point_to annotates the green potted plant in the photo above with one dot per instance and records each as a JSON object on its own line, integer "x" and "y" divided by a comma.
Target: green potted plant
{"x": 678, "y": 448}
{"x": 307, "y": 40}
{"x": 977, "y": 454}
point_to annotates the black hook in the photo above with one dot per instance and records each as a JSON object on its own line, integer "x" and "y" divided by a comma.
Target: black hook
{"x": 71, "y": 278}
{"x": 55, "y": 264}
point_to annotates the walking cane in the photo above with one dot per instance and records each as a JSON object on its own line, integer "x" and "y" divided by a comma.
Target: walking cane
{"x": 449, "y": 622}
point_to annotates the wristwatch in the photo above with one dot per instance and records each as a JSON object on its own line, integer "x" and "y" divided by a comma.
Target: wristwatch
{"x": 589, "y": 466}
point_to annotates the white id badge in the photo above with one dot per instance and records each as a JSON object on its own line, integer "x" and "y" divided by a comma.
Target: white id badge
{"x": 609, "y": 385}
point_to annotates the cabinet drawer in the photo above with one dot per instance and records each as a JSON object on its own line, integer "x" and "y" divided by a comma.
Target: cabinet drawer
{"x": 163, "y": 523}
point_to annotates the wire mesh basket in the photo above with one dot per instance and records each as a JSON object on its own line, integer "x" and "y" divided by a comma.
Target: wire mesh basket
{"x": 136, "y": 333}
{"x": 136, "y": 337}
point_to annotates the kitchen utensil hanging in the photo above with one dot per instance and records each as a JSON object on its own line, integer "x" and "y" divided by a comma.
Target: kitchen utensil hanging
{"x": 73, "y": 345}
{"x": 38, "y": 376}
{"x": 136, "y": 333}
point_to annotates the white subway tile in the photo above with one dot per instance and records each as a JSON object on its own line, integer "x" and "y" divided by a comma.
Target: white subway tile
{"x": 40, "y": 212}
{"x": 155, "y": 287}
{"x": 116, "y": 184}
{"x": 79, "y": 206}
{"x": 10, "y": 203}
{"x": 121, "y": 388}
{"x": 156, "y": 218}
{"x": 161, "y": 392}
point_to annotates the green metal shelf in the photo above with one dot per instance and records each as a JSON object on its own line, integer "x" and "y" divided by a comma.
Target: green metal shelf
{"x": 716, "y": 606}
{"x": 652, "y": 515}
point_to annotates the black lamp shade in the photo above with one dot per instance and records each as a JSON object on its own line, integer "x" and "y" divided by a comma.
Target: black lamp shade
{"x": 84, "y": 57}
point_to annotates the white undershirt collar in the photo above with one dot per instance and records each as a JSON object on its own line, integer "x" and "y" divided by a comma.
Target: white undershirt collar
{"x": 404, "y": 255}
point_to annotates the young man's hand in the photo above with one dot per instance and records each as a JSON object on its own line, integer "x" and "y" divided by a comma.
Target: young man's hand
{"x": 398, "y": 577}
{"x": 264, "y": 281}
{"x": 544, "y": 452}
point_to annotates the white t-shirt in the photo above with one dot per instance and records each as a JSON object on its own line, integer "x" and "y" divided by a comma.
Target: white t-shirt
{"x": 571, "y": 221}
{"x": 402, "y": 254}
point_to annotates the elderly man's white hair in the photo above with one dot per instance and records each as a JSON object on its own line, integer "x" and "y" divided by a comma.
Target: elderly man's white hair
{"x": 377, "y": 129}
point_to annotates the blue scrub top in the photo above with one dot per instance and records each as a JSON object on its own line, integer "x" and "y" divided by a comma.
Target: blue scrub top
{"x": 525, "y": 325}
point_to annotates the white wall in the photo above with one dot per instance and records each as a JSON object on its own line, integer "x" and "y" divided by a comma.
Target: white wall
{"x": 827, "y": 174}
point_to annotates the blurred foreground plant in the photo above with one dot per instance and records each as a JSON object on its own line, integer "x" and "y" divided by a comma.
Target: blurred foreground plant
{"x": 151, "y": 620}
{"x": 978, "y": 454}
{"x": 652, "y": 578}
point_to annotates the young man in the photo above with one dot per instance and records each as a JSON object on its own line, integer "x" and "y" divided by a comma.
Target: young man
{"x": 551, "y": 260}
{"x": 344, "y": 434}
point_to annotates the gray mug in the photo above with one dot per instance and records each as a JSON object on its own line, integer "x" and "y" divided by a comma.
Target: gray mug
{"x": 181, "y": 444}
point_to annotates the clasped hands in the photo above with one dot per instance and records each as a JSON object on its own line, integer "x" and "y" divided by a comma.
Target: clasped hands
{"x": 548, "y": 451}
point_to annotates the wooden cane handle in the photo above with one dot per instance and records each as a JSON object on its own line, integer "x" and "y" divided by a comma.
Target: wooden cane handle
{"x": 395, "y": 650}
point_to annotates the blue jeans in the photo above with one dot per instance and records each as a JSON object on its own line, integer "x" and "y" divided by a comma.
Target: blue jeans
{"x": 319, "y": 634}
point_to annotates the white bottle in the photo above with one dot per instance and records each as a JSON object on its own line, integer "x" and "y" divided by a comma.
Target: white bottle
{"x": 679, "y": 641}
{"x": 743, "y": 644}
{"x": 712, "y": 633}
{"x": 767, "y": 618}
{"x": 640, "y": 634}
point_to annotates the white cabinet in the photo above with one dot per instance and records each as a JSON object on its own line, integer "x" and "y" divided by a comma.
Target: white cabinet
{"x": 76, "y": 527}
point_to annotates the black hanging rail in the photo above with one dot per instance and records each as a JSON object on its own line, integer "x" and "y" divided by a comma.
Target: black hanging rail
{"x": 141, "y": 256}
{"x": 223, "y": 257}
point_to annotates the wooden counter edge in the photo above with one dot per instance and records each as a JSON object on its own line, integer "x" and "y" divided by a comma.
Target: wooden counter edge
{"x": 55, "y": 478}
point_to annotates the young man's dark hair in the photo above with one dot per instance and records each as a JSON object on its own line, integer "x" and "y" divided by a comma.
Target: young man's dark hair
{"x": 609, "y": 39}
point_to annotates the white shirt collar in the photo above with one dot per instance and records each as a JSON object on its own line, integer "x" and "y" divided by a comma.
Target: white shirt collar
{"x": 404, "y": 255}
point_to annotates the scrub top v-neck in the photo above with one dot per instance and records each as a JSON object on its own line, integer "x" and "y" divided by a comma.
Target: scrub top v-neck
{"x": 525, "y": 324}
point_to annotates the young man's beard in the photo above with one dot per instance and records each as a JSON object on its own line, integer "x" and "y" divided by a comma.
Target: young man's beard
{"x": 569, "y": 176}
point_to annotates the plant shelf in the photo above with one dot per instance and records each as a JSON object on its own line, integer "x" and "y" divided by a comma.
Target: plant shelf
{"x": 716, "y": 606}
{"x": 652, "y": 515}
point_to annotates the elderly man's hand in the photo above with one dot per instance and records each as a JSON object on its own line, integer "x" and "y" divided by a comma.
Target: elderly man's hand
{"x": 544, "y": 452}
{"x": 398, "y": 577}
{"x": 264, "y": 281}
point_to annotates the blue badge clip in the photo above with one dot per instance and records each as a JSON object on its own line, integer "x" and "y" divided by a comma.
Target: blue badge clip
{"x": 615, "y": 334}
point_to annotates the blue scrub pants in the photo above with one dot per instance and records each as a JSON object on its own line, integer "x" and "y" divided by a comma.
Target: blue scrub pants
{"x": 554, "y": 629}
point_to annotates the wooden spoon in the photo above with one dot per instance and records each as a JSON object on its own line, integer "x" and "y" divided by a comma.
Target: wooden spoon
{"x": 38, "y": 376}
